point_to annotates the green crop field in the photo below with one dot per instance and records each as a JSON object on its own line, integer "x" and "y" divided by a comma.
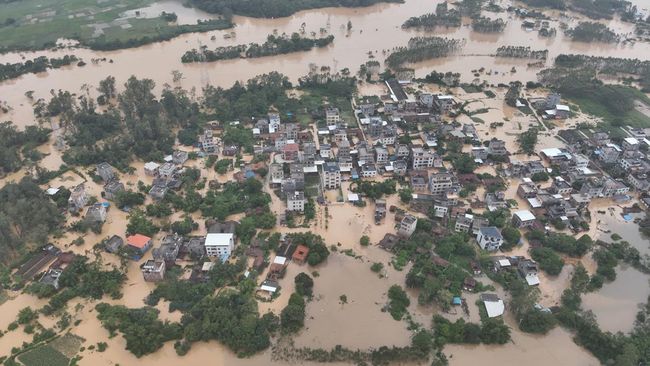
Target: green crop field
{"x": 37, "y": 24}
{"x": 58, "y": 352}
{"x": 44, "y": 356}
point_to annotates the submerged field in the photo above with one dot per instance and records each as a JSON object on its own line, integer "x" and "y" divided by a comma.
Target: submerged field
{"x": 90, "y": 22}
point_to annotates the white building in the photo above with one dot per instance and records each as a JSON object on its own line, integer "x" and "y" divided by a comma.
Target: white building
{"x": 489, "y": 238}
{"x": 219, "y": 244}
{"x": 296, "y": 201}
{"x": 151, "y": 168}
{"x": 407, "y": 226}
{"x": 422, "y": 159}
{"x": 331, "y": 176}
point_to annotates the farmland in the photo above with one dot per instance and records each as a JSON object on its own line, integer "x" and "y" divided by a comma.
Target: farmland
{"x": 94, "y": 23}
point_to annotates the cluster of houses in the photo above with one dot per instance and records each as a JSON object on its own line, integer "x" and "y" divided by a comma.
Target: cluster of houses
{"x": 218, "y": 243}
{"x": 167, "y": 175}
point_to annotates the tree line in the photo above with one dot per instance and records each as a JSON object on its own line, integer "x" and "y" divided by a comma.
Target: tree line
{"x": 592, "y": 32}
{"x": 521, "y": 52}
{"x": 274, "y": 45}
{"x": 487, "y": 25}
{"x": 276, "y": 8}
{"x": 34, "y": 66}
{"x": 423, "y": 48}
{"x": 443, "y": 17}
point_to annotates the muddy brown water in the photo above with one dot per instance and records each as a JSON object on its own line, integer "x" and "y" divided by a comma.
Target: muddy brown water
{"x": 376, "y": 30}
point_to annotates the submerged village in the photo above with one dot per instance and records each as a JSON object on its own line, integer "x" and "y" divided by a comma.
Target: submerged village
{"x": 372, "y": 216}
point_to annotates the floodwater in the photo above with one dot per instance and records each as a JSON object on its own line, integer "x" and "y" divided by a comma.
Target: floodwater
{"x": 555, "y": 348}
{"x": 616, "y": 304}
{"x": 375, "y": 31}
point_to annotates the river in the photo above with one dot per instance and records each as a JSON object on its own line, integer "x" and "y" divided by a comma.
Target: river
{"x": 375, "y": 29}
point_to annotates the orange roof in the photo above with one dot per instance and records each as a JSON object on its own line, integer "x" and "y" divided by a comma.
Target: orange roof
{"x": 300, "y": 253}
{"x": 137, "y": 240}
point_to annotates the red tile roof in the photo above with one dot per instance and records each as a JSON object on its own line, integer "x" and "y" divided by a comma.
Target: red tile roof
{"x": 137, "y": 240}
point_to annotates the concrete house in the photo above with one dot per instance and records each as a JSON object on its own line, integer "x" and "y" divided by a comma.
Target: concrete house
{"x": 381, "y": 155}
{"x": 332, "y": 116}
{"x": 209, "y": 143}
{"x": 464, "y": 223}
{"x": 421, "y": 158}
{"x": 153, "y": 270}
{"x": 497, "y": 147}
{"x": 96, "y": 213}
{"x": 112, "y": 188}
{"x": 106, "y": 171}
{"x": 78, "y": 198}
{"x": 151, "y": 169}
{"x": 170, "y": 245}
{"x": 296, "y": 201}
{"x": 219, "y": 245}
{"x": 139, "y": 244}
{"x": 407, "y": 226}
{"x": 277, "y": 173}
{"x": 440, "y": 183}
{"x": 179, "y": 157}
{"x": 113, "y": 244}
{"x": 489, "y": 238}
{"x": 331, "y": 176}
{"x": 527, "y": 268}
{"x": 523, "y": 218}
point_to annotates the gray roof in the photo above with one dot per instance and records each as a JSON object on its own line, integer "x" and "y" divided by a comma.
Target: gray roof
{"x": 490, "y": 231}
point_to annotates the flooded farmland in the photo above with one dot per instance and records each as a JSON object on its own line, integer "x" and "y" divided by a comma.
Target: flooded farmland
{"x": 376, "y": 30}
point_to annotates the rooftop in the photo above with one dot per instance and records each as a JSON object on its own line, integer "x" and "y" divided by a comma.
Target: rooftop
{"x": 218, "y": 239}
{"x": 525, "y": 215}
{"x": 138, "y": 240}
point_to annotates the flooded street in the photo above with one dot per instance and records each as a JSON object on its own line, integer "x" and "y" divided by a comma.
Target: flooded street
{"x": 376, "y": 30}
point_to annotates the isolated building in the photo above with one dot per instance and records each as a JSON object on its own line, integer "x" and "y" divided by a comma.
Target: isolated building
{"x": 489, "y": 238}
{"x": 219, "y": 244}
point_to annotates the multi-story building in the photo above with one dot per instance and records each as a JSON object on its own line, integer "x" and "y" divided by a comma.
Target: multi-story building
{"x": 296, "y": 201}
{"x": 106, "y": 171}
{"x": 440, "y": 183}
{"x": 381, "y": 155}
{"x": 153, "y": 270}
{"x": 422, "y": 159}
{"x": 332, "y": 116}
{"x": 209, "y": 143}
{"x": 96, "y": 213}
{"x": 78, "y": 198}
{"x": 489, "y": 238}
{"x": 219, "y": 244}
{"x": 277, "y": 173}
{"x": 407, "y": 226}
{"x": 331, "y": 176}
{"x": 561, "y": 186}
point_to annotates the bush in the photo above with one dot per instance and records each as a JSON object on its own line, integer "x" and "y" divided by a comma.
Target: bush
{"x": 292, "y": 317}
{"x": 398, "y": 302}
{"x": 376, "y": 267}
{"x": 365, "y": 240}
{"x": 304, "y": 284}
{"x": 548, "y": 260}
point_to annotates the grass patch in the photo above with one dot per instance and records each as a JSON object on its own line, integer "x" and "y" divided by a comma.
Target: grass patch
{"x": 470, "y": 88}
{"x": 632, "y": 117}
{"x": 68, "y": 344}
{"x": 45, "y": 355}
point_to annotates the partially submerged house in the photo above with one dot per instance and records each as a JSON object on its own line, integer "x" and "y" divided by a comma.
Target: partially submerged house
{"x": 494, "y": 306}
